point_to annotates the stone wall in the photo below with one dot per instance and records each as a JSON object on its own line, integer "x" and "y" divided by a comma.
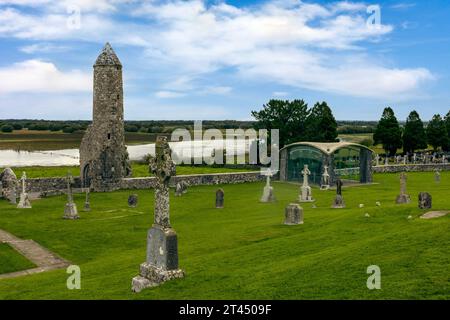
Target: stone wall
{"x": 52, "y": 185}
{"x": 411, "y": 168}
{"x": 195, "y": 180}
{"x": 39, "y": 185}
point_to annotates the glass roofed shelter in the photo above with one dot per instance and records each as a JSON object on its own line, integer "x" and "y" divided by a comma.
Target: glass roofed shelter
{"x": 344, "y": 160}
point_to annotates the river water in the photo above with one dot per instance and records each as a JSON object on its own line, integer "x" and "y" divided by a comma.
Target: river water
{"x": 71, "y": 157}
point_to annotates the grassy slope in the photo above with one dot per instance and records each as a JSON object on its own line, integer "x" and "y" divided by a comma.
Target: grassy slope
{"x": 139, "y": 170}
{"x": 11, "y": 260}
{"x": 244, "y": 251}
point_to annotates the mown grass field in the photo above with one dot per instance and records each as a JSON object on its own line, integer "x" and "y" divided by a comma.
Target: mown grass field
{"x": 139, "y": 170}
{"x": 11, "y": 260}
{"x": 244, "y": 251}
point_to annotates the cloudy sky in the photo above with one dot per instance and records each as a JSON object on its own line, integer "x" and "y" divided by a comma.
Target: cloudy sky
{"x": 222, "y": 59}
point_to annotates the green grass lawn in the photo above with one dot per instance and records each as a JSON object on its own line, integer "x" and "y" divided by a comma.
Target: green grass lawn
{"x": 12, "y": 261}
{"x": 139, "y": 170}
{"x": 244, "y": 251}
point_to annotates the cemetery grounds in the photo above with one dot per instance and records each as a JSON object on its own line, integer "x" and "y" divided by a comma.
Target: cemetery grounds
{"x": 243, "y": 251}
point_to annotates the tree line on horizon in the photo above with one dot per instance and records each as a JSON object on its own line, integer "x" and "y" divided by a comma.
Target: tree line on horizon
{"x": 414, "y": 135}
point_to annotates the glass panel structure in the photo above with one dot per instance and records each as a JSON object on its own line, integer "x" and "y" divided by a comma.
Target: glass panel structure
{"x": 298, "y": 156}
{"x": 346, "y": 163}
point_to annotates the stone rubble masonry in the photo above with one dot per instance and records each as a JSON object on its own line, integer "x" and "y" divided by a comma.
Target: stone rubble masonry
{"x": 41, "y": 187}
{"x": 103, "y": 154}
{"x": 412, "y": 168}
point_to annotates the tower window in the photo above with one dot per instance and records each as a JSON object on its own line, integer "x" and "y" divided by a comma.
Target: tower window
{"x": 109, "y": 136}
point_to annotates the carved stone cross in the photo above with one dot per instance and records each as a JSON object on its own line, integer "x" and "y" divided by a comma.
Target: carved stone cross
{"x": 24, "y": 179}
{"x": 163, "y": 168}
{"x": 305, "y": 173}
{"x": 70, "y": 181}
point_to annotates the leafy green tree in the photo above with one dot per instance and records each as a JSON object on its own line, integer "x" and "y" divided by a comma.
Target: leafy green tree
{"x": 414, "y": 136}
{"x": 437, "y": 133}
{"x": 287, "y": 116}
{"x": 321, "y": 124}
{"x": 388, "y": 132}
{"x": 447, "y": 125}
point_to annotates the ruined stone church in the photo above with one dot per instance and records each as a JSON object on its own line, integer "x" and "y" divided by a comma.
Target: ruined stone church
{"x": 103, "y": 154}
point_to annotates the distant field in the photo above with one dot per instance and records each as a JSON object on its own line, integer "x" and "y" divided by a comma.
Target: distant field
{"x": 139, "y": 170}
{"x": 48, "y": 140}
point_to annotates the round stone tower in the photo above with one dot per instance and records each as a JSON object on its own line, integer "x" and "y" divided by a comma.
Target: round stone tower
{"x": 103, "y": 155}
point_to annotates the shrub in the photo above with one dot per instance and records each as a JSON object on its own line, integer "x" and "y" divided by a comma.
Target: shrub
{"x": 7, "y": 128}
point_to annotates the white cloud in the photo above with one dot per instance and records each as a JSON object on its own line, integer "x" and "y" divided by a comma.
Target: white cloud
{"x": 168, "y": 94}
{"x": 39, "y": 76}
{"x": 303, "y": 45}
{"x": 44, "y": 48}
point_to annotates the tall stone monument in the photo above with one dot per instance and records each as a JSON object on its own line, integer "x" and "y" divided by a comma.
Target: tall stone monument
{"x": 103, "y": 155}
{"x": 268, "y": 195}
{"x": 70, "y": 211}
{"x": 305, "y": 190}
{"x": 162, "y": 244}
{"x": 325, "y": 185}
{"x": 87, "y": 202}
{"x": 338, "y": 202}
{"x": 403, "y": 197}
{"x": 24, "y": 202}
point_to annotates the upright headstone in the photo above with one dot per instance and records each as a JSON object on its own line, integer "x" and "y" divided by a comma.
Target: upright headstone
{"x": 24, "y": 202}
{"x": 437, "y": 176}
{"x": 70, "y": 211}
{"x": 87, "y": 201}
{"x": 403, "y": 197}
{"x": 181, "y": 188}
{"x": 325, "y": 185}
{"x": 293, "y": 214}
{"x": 162, "y": 245}
{"x": 133, "y": 200}
{"x": 8, "y": 181}
{"x": 377, "y": 160}
{"x": 425, "y": 200}
{"x": 305, "y": 190}
{"x": 443, "y": 159}
{"x": 268, "y": 195}
{"x": 220, "y": 195}
{"x": 414, "y": 159}
{"x": 338, "y": 202}
{"x": 386, "y": 161}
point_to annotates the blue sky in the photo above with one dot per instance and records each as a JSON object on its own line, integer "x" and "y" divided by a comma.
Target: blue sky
{"x": 222, "y": 59}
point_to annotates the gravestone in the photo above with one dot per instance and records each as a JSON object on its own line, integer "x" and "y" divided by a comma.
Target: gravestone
{"x": 293, "y": 214}
{"x": 8, "y": 181}
{"x": 377, "y": 160}
{"x": 325, "y": 185}
{"x": 161, "y": 264}
{"x": 338, "y": 202}
{"x": 386, "y": 161}
{"x": 70, "y": 211}
{"x": 437, "y": 176}
{"x": 133, "y": 200}
{"x": 425, "y": 200}
{"x": 181, "y": 188}
{"x": 305, "y": 190}
{"x": 220, "y": 195}
{"x": 403, "y": 197}
{"x": 24, "y": 202}
{"x": 268, "y": 195}
{"x": 87, "y": 203}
